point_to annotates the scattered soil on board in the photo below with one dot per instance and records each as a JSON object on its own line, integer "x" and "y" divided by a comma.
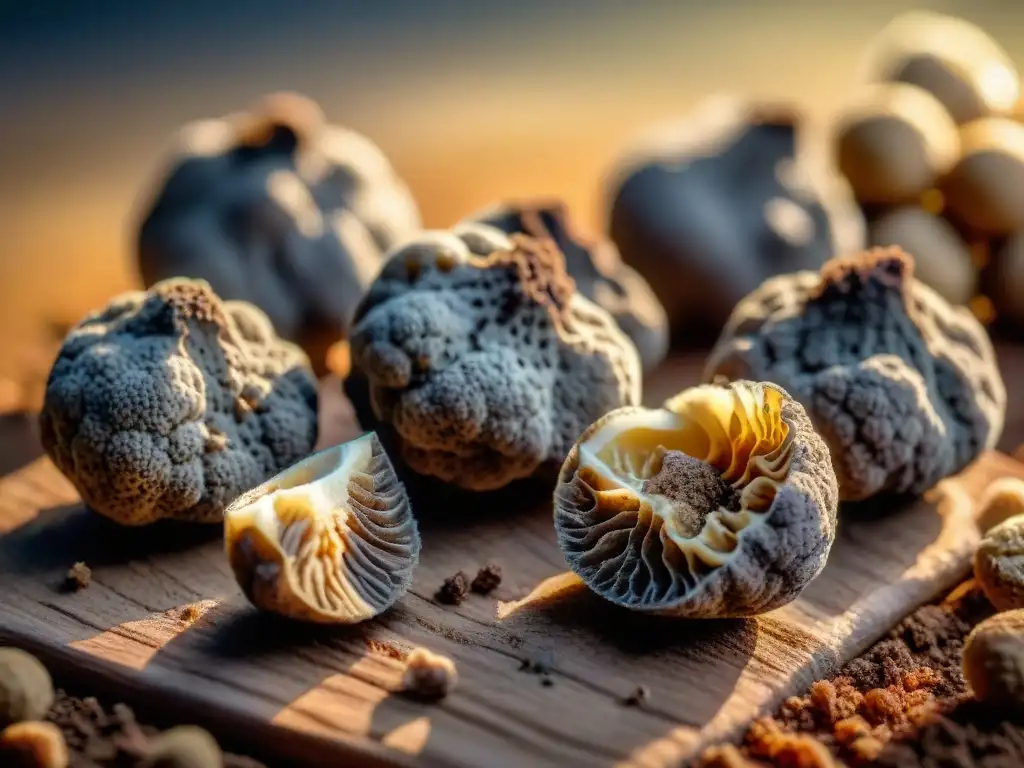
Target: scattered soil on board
{"x": 902, "y": 704}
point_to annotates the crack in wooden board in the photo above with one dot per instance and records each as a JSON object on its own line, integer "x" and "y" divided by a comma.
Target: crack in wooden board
{"x": 328, "y": 694}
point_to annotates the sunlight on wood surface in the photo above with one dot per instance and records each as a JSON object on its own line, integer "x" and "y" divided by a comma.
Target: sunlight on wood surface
{"x": 552, "y": 587}
{"x": 134, "y": 643}
{"x": 409, "y": 737}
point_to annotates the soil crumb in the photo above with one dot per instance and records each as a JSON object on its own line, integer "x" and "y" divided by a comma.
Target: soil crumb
{"x": 98, "y": 737}
{"x": 454, "y": 589}
{"x": 487, "y": 579}
{"x": 902, "y": 703}
{"x": 78, "y": 577}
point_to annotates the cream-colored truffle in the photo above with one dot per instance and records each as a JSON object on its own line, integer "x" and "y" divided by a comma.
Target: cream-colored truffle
{"x": 428, "y": 675}
{"x": 994, "y": 659}
{"x": 999, "y": 564}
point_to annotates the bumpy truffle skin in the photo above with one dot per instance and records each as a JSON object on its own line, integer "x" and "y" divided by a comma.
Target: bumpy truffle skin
{"x": 999, "y": 564}
{"x": 904, "y": 387}
{"x": 597, "y": 268}
{"x": 26, "y": 690}
{"x": 186, "y": 746}
{"x": 750, "y": 555}
{"x": 169, "y": 403}
{"x": 483, "y": 358}
{"x": 710, "y": 206}
{"x": 279, "y": 208}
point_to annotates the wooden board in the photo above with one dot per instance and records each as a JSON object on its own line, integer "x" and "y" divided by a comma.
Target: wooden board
{"x": 325, "y": 694}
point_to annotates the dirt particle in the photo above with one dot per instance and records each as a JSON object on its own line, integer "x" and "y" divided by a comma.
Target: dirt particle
{"x": 637, "y": 697}
{"x": 77, "y": 578}
{"x": 487, "y": 579}
{"x": 454, "y": 589}
{"x": 428, "y": 675}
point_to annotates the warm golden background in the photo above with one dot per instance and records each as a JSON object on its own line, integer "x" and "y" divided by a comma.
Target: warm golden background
{"x": 472, "y": 101}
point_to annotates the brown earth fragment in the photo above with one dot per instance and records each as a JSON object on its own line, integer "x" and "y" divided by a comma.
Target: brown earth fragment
{"x": 454, "y": 589}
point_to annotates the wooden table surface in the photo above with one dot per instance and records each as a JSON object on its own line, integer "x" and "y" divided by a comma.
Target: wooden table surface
{"x": 327, "y": 695}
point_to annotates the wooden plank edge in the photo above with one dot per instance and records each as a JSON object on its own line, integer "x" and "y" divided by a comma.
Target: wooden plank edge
{"x": 228, "y": 724}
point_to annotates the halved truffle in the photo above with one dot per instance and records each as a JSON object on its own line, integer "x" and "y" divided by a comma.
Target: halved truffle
{"x": 722, "y": 503}
{"x": 903, "y": 386}
{"x": 330, "y": 540}
{"x": 483, "y": 358}
{"x": 707, "y": 207}
{"x": 279, "y": 208}
{"x": 596, "y": 267}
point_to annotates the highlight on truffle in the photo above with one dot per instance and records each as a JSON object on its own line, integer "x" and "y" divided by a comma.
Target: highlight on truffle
{"x": 999, "y": 564}
{"x": 957, "y": 62}
{"x": 484, "y": 360}
{"x": 708, "y": 206}
{"x": 331, "y": 539}
{"x": 1001, "y": 500}
{"x": 26, "y": 690}
{"x": 903, "y": 386}
{"x": 720, "y": 504}
{"x": 994, "y": 660}
{"x": 278, "y": 207}
{"x": 596, "y": 267}
{"x": 168, "y": 403}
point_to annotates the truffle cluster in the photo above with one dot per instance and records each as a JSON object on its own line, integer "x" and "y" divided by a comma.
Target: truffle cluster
{"x": 484, "y": 359}
{"x": 279, "y": 208}
{"x": 903, "y": 386}
{"x": 709, "y": 206}
{"x": 169, "y": 403}
{"x": 933, "y": 147}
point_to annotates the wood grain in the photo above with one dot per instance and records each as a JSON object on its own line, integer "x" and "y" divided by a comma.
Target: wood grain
{"x": 326, "y": 695}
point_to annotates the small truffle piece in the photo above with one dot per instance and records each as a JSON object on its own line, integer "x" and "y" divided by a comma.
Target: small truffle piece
{"x": 1003, "y": 499}
{"x": 330, "y": 540}
{"x": 78, "y": 577}
{"x": 709, "y": 206}
{"x": 638, "y": 697}
{"x": 904, "y": 387}
{"x": 169, "y": 403}
{"x": 26, "y": 690}
{"x": 487, "y": 579}
{"x": 956, "y": 61}
{"x": 279, "y": 208}
{"x": 455, "y": 589}
{"x": 1004, "y": 283}
{"x": 999, "y": 564}
{"x": 597, "y": 268}
{"x": 994, "y": 660}
{"x": 185, "y": 746}
{"x": 33, "y": 744}
{"x": 942, "y": 259}
{"x": 985, "y": 189}
{"x": 483, "y": 358}
{"x": 428, "y": 675}
{"x": 893, "y": 142}
{"x": 721, "y": 504}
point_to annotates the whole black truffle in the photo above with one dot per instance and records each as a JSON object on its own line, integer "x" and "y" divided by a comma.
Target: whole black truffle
{"x": 279, "y": 208}
{"x": 594, "y": 263}
{"x": 712, "y": 205}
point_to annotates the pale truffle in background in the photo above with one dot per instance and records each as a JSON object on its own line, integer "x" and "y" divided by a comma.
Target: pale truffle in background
{"x": 999, "y": 564}
{"x": 26, "y": 690}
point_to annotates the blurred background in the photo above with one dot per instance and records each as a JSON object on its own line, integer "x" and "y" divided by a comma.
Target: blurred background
{"x": 472, "y": 101}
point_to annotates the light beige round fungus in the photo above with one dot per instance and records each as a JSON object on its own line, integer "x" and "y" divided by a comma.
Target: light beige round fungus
{"x": 994, "y": 659}
{"x": 722, "y": 503}
{"x": 428, "y": 675}
{"x": 330, "y": 540}
{"x": 999, "y": 564}
{"x": 1002, "y": 500}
